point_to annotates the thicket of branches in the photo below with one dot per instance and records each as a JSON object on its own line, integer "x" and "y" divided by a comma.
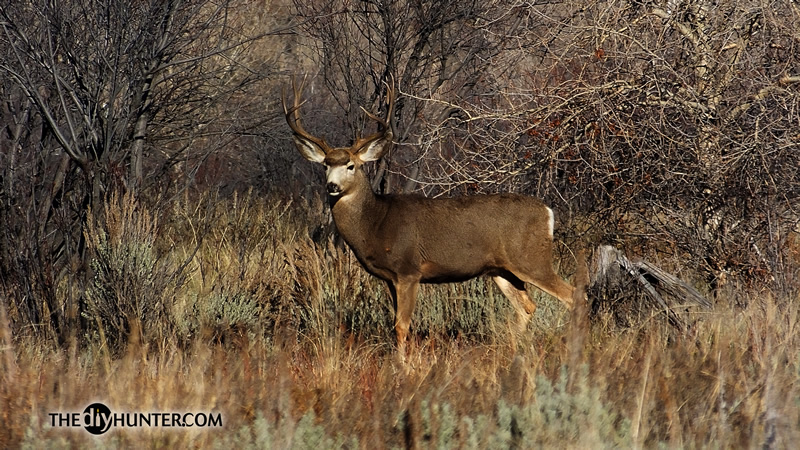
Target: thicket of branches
{"x": 666, "y": 127}
{"x": 101, "y": 97}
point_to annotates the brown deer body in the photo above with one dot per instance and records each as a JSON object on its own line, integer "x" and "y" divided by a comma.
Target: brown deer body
{"x": 406, "y": 240}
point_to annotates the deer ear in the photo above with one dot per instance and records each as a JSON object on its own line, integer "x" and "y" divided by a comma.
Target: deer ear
{"x": 309, "y": 149}
{"x": 374, "y": 150}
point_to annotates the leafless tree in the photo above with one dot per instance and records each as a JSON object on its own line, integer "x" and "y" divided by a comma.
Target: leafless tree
{"x": 432, "y": 49}
{"x": 100, "y": 97}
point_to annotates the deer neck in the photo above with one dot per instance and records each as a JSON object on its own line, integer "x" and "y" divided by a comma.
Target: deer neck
{"x": 357, "y": 215}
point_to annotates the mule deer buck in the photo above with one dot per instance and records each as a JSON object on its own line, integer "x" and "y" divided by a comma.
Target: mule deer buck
{"x": 406, "y": 240}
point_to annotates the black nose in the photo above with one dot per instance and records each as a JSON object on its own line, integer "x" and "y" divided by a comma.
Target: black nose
{"x": 334, "y": 189}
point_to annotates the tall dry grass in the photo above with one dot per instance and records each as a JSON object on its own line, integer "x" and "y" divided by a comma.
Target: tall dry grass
{"x": 291, "y": 342}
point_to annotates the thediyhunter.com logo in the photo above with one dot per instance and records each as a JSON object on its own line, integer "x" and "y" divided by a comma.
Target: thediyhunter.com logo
{"x": 97, "y": 418}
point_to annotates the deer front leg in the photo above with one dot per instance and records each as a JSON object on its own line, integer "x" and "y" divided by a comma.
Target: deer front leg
{"x": 514, "y": 289}
{"x": 405, "y": 291}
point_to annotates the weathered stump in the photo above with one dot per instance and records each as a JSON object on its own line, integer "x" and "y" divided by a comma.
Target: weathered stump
{"x": 639, "y": 289}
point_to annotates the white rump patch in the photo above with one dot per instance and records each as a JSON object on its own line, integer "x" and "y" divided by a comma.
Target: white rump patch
{"x": 551, "y": 221}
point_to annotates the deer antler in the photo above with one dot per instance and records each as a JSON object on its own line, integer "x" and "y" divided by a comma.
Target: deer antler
{"x": 293, "y": 116}
{"x": 385, "y": 124}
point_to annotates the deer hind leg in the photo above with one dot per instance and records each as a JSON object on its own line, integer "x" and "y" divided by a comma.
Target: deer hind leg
{"x": 405, "y": 297}
{"x": 514, "y": 289}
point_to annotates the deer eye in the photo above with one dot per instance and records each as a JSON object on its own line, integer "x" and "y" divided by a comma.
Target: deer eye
{"x": 351, "y": 166}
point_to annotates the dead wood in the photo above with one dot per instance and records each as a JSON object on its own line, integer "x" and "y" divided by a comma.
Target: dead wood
{"x": 629, "y": 289}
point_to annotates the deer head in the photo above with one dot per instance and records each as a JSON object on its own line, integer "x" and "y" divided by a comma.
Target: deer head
{"x": 342, "y": 165}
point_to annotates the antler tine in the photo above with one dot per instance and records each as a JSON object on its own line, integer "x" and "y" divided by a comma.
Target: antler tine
{"x": 293, "y": 115}
{"x": 385, "y": 124}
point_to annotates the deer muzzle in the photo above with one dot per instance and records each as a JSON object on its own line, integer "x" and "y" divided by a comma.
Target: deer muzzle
{"x": 334, "y": 189}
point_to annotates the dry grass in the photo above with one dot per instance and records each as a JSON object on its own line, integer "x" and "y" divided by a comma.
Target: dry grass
{"x": 292, "y": 343}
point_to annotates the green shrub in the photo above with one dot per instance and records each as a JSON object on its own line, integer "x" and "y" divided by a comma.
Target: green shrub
{"x": 305, "y": 434}
{"x": 554, "y": 417}
{"x": 130, "y": 281}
